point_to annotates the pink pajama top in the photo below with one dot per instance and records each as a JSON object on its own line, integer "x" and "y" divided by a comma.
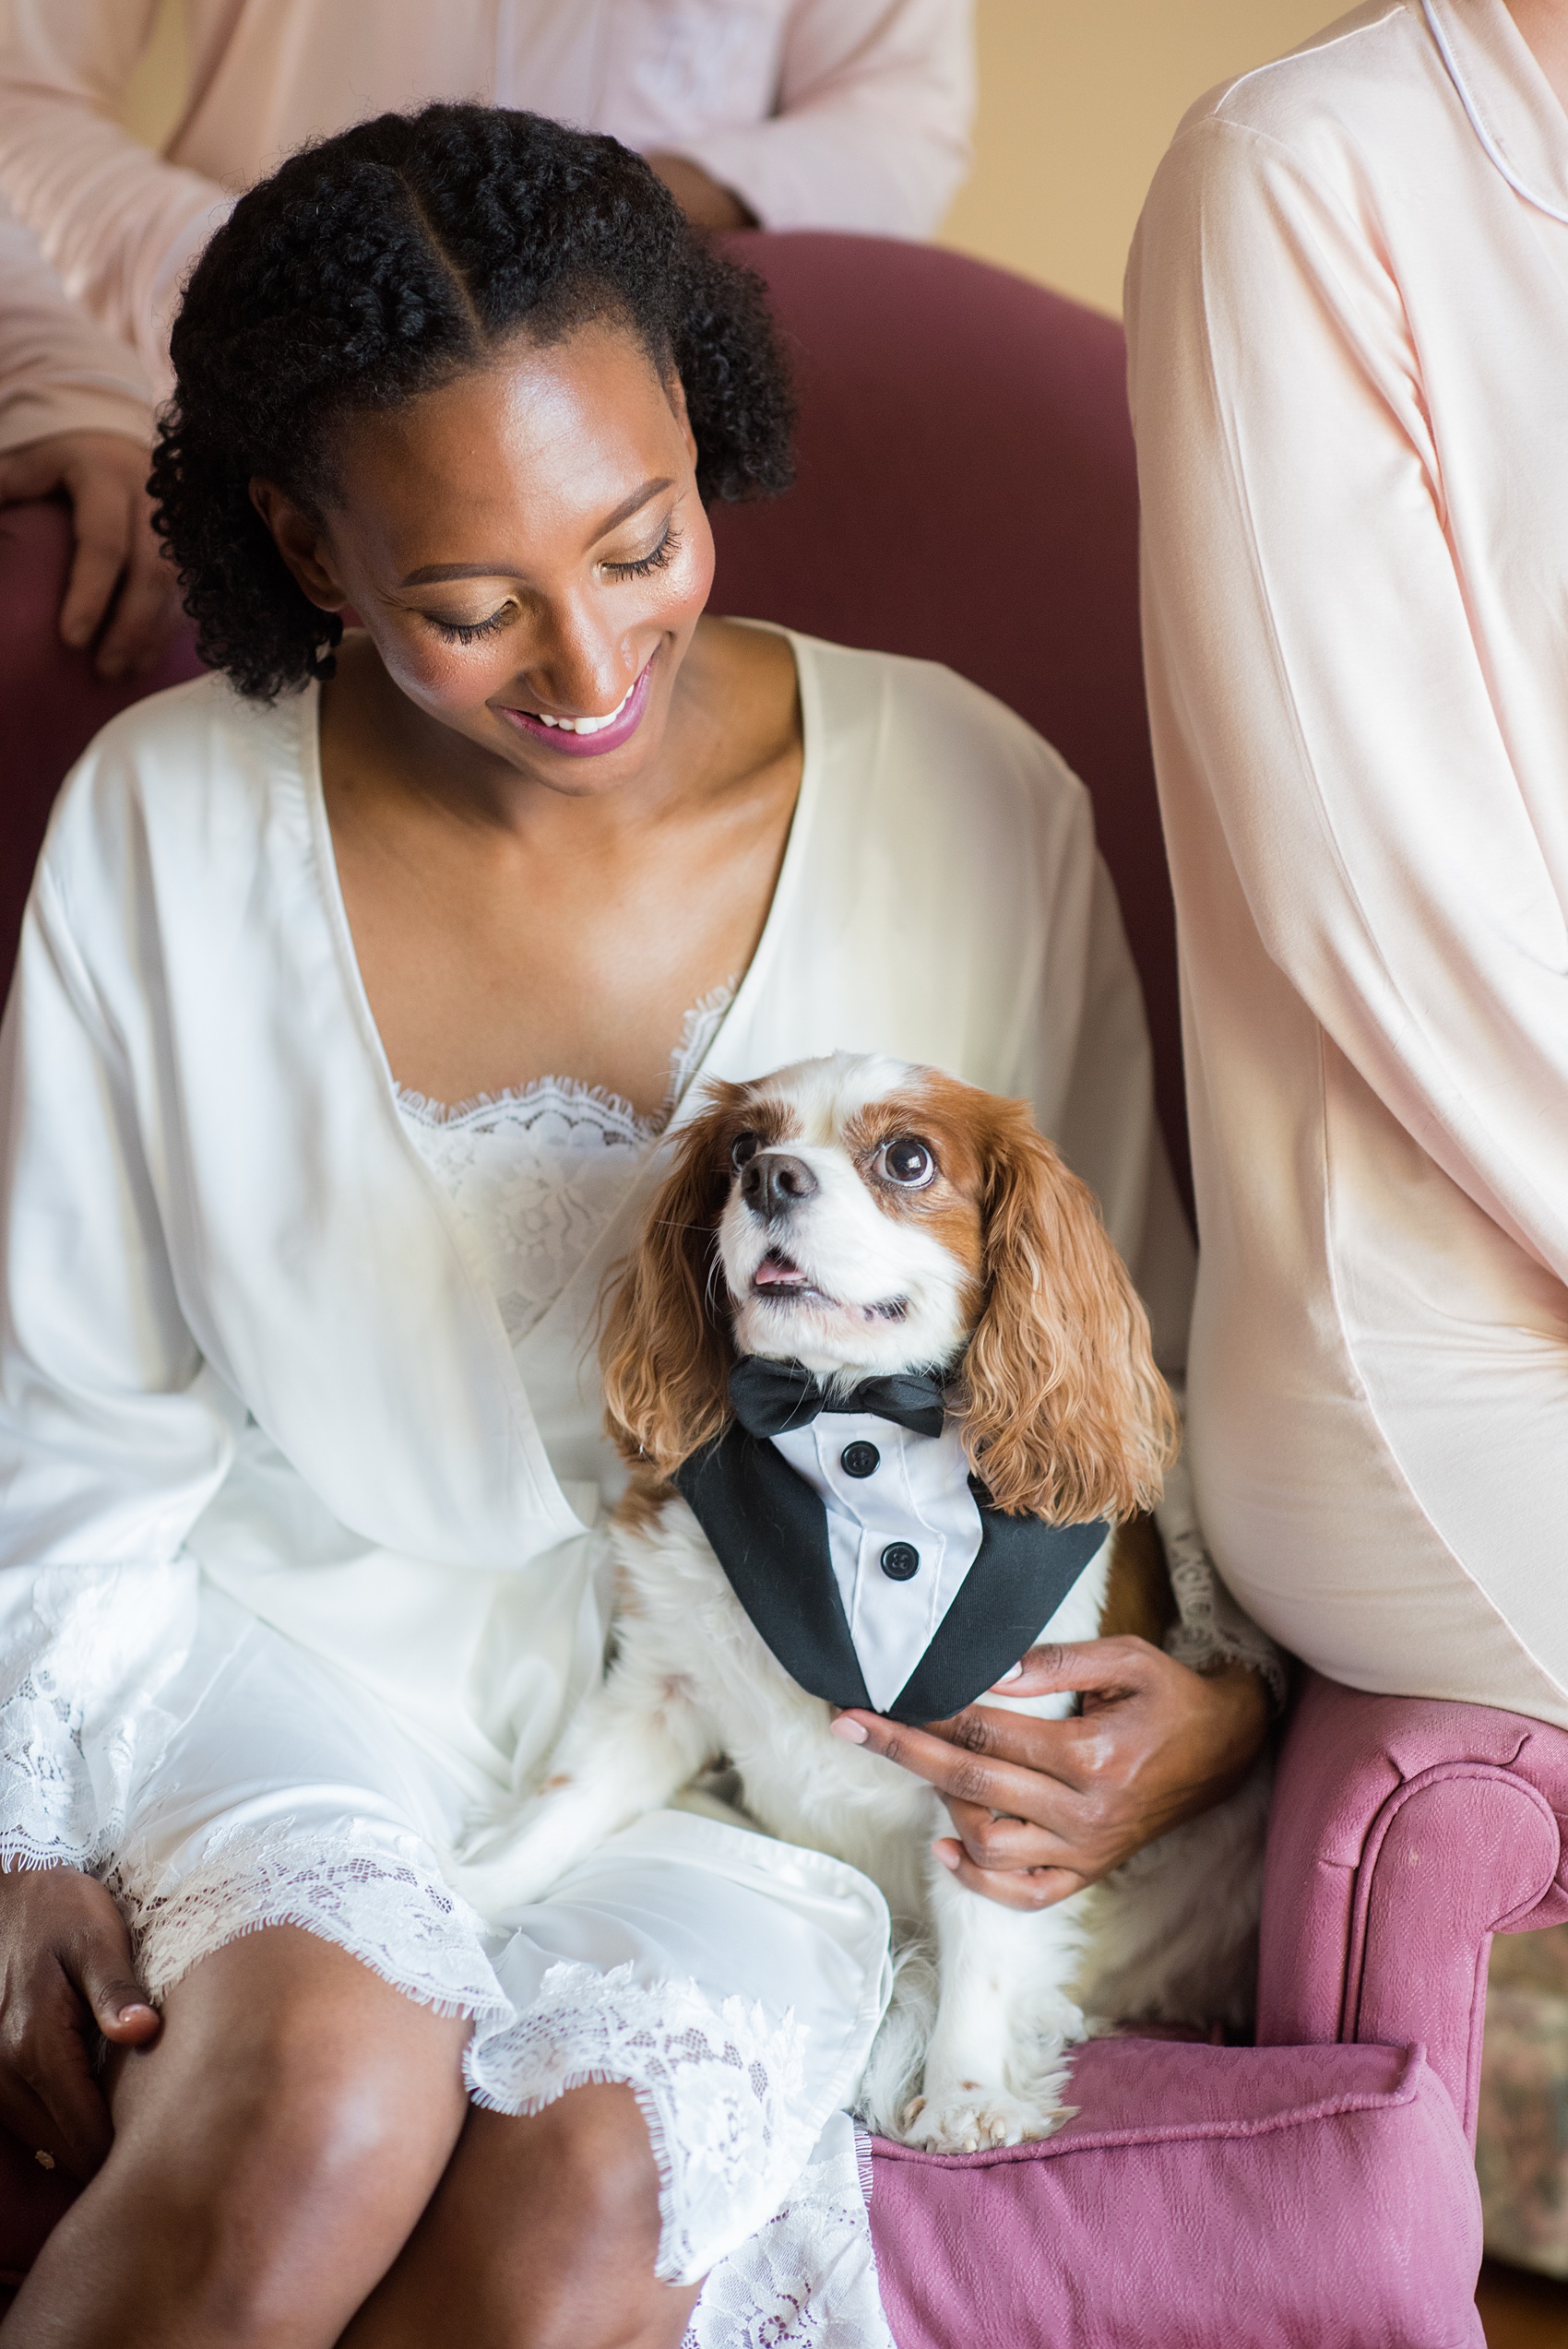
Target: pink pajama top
{"x": 819, "y": 113}
{"x": 1348, "y": 311}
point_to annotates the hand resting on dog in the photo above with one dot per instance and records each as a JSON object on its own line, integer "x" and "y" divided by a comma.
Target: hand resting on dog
{"x": 1043, "y": 1807}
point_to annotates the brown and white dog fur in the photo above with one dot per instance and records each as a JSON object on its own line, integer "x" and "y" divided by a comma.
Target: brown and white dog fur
{"x": 996, "y": 1263}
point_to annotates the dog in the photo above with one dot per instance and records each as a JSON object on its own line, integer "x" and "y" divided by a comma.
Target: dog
{"x": 856, "y": 1219}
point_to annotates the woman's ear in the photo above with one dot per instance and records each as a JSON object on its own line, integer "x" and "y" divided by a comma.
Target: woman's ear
{"x": 302, "y": 541}
{"x": 1064, "y": 1415}
{"x": 666, "y": 1352}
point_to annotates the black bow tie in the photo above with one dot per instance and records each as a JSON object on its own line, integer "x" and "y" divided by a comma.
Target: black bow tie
{"x": 768, "y": 1397}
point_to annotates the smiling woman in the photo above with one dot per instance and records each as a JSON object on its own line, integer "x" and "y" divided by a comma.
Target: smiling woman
{"x": 364, "y": 992}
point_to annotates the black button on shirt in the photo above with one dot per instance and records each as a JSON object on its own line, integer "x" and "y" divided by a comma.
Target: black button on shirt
{"x": 860, "y": 1460}
{"x": 900, "y": 1562}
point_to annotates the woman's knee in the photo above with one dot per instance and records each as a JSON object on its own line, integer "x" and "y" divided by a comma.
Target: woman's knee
{"x": 285, "y": 2140}
{"x": 553, "y": 2221}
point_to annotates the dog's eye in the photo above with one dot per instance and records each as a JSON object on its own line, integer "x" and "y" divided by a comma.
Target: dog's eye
{"x": 908, "y": 1161}
{"x": 744, "y": 1147}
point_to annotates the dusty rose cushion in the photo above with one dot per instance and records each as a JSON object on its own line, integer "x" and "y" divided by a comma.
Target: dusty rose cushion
{"x": 1264, "y": 2198}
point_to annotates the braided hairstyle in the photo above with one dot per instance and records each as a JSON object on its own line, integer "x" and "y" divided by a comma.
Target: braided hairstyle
{"x": 379, "y": 263}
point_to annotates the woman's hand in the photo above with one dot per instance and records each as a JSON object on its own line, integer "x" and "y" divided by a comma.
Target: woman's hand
{"x": 119, "y": 573}
{"x": 1043, "y": 1807}
{"x": 66, "y": 1976}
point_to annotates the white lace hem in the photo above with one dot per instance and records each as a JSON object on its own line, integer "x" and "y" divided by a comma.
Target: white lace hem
{"x": 84, "y": 1651}
{"x": 721, "y": 2088}
{"x": 378, "y": 1896}
{"x": 807, "y": 2278}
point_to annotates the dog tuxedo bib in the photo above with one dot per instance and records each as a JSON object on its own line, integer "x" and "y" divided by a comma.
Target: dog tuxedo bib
{"x": 866, "y": 1553}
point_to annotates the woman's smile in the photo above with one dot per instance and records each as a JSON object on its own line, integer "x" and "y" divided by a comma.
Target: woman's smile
{"x": 586, "y": 737}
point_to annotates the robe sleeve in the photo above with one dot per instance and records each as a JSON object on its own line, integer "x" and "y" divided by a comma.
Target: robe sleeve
{"x": 1316, "y": 686}
{"x": 871, "y": 131}
{"x": 59, "y": 372}
{"x": 113, "y": 1433}
{"x": 122, "y": 225}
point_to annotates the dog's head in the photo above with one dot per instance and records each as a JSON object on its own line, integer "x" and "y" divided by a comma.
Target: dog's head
{"x": 862, "y": 1216}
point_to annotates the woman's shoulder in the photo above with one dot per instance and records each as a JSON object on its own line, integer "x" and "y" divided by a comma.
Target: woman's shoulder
{"x": 1350, "y": 92}
{"x": 175, "y": 766}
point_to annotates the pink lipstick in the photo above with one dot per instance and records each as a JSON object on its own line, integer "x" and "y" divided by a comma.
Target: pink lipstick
{"x": 586, "y": 737}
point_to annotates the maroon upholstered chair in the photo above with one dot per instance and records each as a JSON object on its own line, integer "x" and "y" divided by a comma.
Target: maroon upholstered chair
{"x": 965, "y": 492}
{"x": 51, "y": 704}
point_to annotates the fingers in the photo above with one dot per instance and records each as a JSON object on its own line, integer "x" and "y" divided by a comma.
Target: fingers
{"x": 993, "y": 1842}
{"x": 105, "y": 519}
{"x": 51, "y": 2097}
{"x": 99, "y": 1960}
{"x": 32, "y": 472}
{"x": 147, "y": 611}
{"x": 951, "y": 1769}
{"x": 1125, "y": 1663}
{"x": 1034, "y": 1889}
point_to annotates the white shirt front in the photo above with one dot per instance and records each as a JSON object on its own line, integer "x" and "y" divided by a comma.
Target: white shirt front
{"x": 1348, "y": 317}
{"x": 902, "y": 1532}
{"x": 246, "y": 1332}
{"x": 820, "y": 113}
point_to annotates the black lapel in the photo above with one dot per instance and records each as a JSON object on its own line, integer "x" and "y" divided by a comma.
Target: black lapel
{"x": 1023, "y": 1573}
{"x": 768, "y": 1530}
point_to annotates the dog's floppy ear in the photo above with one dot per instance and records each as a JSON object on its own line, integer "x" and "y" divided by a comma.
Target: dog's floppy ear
{"x": 1064, "y": 1415}
{"x": 666, "y": 1353}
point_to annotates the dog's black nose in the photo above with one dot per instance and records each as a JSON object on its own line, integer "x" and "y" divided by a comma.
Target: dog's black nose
{"x": 772, "y": 1183}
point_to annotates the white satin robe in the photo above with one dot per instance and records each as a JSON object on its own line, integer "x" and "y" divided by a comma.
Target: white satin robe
{"x": 244, "y": 1337}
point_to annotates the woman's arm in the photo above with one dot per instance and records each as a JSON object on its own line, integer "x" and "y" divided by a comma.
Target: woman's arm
{"x": 119, "y": 224}
{"x": 871, "y": 125}
{"x": 75, "y": 414}
{"x": 114, "y": 1436}
{"x": 1324, "y": 717}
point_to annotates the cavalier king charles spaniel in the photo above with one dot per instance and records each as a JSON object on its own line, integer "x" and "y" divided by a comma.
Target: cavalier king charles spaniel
{"x": 875, "y": 1343}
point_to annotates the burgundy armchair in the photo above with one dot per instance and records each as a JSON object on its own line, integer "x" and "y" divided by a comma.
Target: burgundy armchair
{"x": 966, "y": 492}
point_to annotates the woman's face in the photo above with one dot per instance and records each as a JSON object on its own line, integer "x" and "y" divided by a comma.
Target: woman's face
{"x": 524, "y": 545}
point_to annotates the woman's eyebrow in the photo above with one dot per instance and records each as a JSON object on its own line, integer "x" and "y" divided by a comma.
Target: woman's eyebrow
{"x": 430, "y": 574}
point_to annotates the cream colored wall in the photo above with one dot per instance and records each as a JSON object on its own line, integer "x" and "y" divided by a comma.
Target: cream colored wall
{"x": 1077, "y": 102}
{"x": 1079, "y": 98}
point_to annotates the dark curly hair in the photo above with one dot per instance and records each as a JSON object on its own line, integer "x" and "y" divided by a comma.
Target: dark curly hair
{"x": 376, "y": 265}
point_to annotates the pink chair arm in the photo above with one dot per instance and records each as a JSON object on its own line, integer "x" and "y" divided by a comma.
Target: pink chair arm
{"x": 1404, "y": 1834}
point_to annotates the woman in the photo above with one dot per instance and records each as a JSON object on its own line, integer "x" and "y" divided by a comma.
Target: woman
{"x": 307, "y": 1232}
{"x": 1348, "y": 307}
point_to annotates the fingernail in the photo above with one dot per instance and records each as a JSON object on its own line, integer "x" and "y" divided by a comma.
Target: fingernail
{"x": 1016, "y": 1674}
{"x": 137, "y": 2006}
{"x": 945, "y": 1854}
{"x": 850, "y": 1731}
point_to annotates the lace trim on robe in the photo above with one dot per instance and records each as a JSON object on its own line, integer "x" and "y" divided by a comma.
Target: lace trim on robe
{"x": 721, "y": 2086}
{"x": 537, "y": 1173}
{"x": 376, "y": 1894}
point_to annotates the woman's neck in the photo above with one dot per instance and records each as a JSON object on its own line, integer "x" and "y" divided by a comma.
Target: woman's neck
{"x": 1544, "y": 24}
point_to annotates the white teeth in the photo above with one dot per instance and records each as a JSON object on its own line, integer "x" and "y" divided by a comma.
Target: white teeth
{"x": 586, "y": 725}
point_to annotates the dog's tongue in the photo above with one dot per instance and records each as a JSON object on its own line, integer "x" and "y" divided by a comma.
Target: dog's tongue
{"x": 777, "y": 1272}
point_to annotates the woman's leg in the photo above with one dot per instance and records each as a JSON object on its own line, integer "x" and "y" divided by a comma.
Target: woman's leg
{"x": 542, "y": 2235}
{"x": 273, "y": 2149}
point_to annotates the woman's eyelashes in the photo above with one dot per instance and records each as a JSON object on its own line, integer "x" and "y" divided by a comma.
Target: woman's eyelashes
{"x": 655, "y": 560}
{"x": 468, "y": 631}
{"x": 472, "y": 631}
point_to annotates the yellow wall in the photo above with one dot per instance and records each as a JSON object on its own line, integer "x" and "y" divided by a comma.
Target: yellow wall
{"x": 1079, "y": 98}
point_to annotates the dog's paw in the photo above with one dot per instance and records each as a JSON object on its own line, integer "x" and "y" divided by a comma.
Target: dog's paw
{"x": 973, "y": 2117}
